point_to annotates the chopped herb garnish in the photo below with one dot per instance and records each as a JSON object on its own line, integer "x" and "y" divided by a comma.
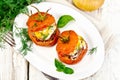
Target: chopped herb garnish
{"x": 44, "y": 36}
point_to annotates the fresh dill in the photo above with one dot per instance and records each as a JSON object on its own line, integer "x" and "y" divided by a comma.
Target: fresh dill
{"x": 22, "y": 33}
{"x": 93, "y": 50}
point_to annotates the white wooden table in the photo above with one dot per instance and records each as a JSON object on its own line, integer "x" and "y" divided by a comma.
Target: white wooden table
{"x": 13, "y": 66}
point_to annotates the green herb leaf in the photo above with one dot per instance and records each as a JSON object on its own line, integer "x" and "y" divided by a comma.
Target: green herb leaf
{"x": 59, "y": 65}
{"x": 68, "y": 70}
{"x": 93, "y": 50}
{"x": 63, "y": 20}
{"x": 62, "y": 68}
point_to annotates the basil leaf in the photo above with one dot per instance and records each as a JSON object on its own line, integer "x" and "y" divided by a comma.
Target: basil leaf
{"x": 61, "y": 67}
{"x": 63, "y": 20}
{"x": 68, "y": 70}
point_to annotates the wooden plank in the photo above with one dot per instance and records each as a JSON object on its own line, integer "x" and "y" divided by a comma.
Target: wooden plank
{"x": 6, "y": 67}
{"x": 12, "y": 65}
{"x": 20, "y": 66}
{"x": 35, "y": 74}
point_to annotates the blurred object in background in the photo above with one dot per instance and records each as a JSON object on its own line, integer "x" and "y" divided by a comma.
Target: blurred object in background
{"x": 88, "y": 5}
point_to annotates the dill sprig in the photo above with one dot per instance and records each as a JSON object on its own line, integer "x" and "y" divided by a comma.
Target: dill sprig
{"x": 93, "y": 50}
{"x": 22, "y": 33}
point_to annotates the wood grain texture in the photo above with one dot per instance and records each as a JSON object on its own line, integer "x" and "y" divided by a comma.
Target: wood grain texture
{"x": 20, "y": 66}
{"x": 12, "y": 65}
{"x": 6, "y": 67}
{"x": 35, "y": 74}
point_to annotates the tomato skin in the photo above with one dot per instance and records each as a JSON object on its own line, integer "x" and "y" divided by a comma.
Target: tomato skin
{"x": 34, "y": 24}
{"x": 68, "y": 47}
{"x": 64, "y": 49}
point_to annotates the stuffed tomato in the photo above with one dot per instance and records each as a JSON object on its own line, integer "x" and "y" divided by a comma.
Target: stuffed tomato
{"x": 42, "y": 29}
{"x": 71, "y": 47}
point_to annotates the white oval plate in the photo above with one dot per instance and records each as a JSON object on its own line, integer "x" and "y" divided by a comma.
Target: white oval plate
{"x": 43, "y": 57}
